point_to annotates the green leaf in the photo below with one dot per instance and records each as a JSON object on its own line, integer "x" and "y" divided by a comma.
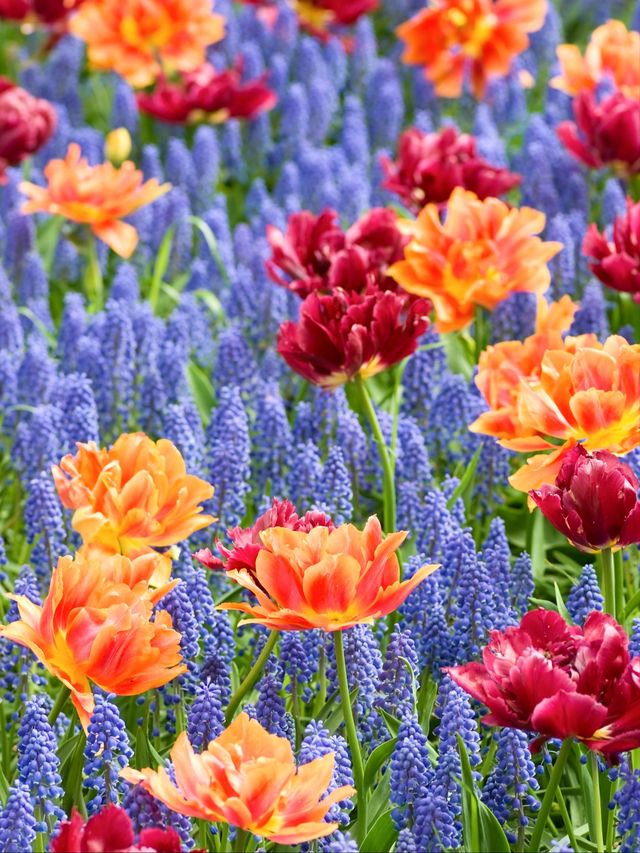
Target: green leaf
{"x": 464, "y": 487}
{"x": 377, "y": 759}
{"x": 212, "y": 244}
{"x": 4, "y": 787}
{"x": 160, "y": 267}
{"x": 211, "y": 301}
{"x": 537, "y": 544}
{"x": 379, "y": 801}
{"x": 381, "y": 836}
{"x": 482, "y": 829}
{"x": 460, "y": 355}
{"x": 333, "y": 711}
{"x": 562, "y": 609}
{"x": 202, "y": 390}
{"x": 393, "y": 723}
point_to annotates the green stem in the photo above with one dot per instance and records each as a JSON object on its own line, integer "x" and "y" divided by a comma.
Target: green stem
{"x": 93, "y": 285}
{"x": 388, "y": 479}
{"x": 352, "y": 737}
{"x": 608, "y": 581}
{"x": 611, "y": 821}
{"x": 619, "y": 579}
{"x": 568, "y": 825}
{"x": 240, "y": 843}
{"x": 597, "y": 803}
{"x": 58, "y": 705}
{"x": 251, "y": 677}
{"x": 549, "y": 796}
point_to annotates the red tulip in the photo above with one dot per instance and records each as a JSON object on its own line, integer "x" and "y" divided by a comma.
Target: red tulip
{"x": 617, "y": 263}
{"x": 208, "y": 94}
{"x": 247, "y": 543}
{"x": 430, "y": 166}
{"x": 111, "y": 831}
{"x": 594, "y": 501}
{"x": 26, "y": 123}
{"x": 342, "y": 334}
{"x": 48, "y": 12}
{"x": 604, "y": 133}
{"x": 347, "y": 12}
{"x": 560, "y": 681}
{"x": 317, "y": 255}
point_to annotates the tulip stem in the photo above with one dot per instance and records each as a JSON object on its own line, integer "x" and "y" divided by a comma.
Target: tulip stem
{"x": 352, "y": 737}
{"x": 597, "y": 803}
{"x": 93, "y": 285}
{"x": 251, "y": 677}
{"x": 388, "y": 479}
{"x": 549, "y": 796}
{"x": 58, "y": 705}
{"x": 608, "y": 581}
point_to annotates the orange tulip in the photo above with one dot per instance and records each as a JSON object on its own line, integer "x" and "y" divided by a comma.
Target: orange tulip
{"x": 325, "y": 579}
{"x": 248, "y": 778}
{"x": 613, "y": 51}
{"x": 484, "y": 251}
{"x": 142, "y": 39}
{"x": 503, "y": 367}
{"x": 96, "y": 625}
{"x": 97, "y": 196}
{"x": 583, "y": 391}
{"x": 133, "y": 497}
{"x": 452, "y": 38}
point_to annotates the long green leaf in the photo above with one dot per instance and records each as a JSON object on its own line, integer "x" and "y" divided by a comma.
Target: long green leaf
{"x": 160, "y": 267}
{"x": 381, "y": 836}
{"x": 377, "y": 759}
{"x": 202, "y": 390}
{"x": 466, "y": 481}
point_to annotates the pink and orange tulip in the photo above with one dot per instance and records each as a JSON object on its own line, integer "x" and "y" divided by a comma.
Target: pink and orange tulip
{"x": 133, "y": 497}
{"x": 248, "y": 778}
{"x": 327, "y": 579}
{"x": 97, "y": 624}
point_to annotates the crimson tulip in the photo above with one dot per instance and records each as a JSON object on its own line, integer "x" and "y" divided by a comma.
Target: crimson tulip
{"x": 605, "y": 133}
{"x": 315, "y": 254}
{"x": 208, "y": 93}
{"x": 560, "y": 681}
{"x": 246, "y": 541}
{"x": 617, "y": 263}
{"x": 26, "y": 124}
{"x": 111, "y": 831}
{"x": 594, "y": 501}
{"x": 345, "y": 334}
{"x": 429, "y": 166}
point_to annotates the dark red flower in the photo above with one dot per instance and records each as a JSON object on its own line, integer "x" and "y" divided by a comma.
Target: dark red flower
{"x": 26, "y": 123}
{"x": 246, "y": 541}
{"x": 594, "y": 501}
{"x": 317, "y": 255}
{"x": 342, "y": 334}
{"x": 110, "y": 831}
{"x": 346, "y": 12}
{"x": 49, "y": 12}
{"x": 560, "y": 681}
{"x": 207, "y": 94}
{"x": 604, "y": 133}
{"x": 617, "y": 263}
{"x": 429, "y": 166}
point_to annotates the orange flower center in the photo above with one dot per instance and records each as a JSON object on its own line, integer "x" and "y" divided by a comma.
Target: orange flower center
{"x": 472, "y": 30}
{"x": 469, "y": 263}
{"x": 157, "y": 35}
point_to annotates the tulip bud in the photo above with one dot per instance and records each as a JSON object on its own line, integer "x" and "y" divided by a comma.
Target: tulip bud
{"x": 594, "y": 501}
{"x": 26, "y": 124}
{"x": 117, "y": 145}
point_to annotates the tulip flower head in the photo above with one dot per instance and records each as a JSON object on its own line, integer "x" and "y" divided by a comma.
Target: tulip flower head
{"x": 327, "y": 579}
{"x": 430, "y": 166}
{"x": 583, "y": 391}
{"x": 142, "y": 39}
{"x": 50, "y": 13}
{"x": 560, "y": 681}
{"x": 612, "y": 53}
{"x": 133, "y": 497}
{"x": 316, "y": 255}
{"x": 98, "y": 624}
{"x": 97, "y": 196}
{"x": 474, "y": 39}
{"x": 617, "y": 262}
{"x": 483, "y": 252}
{"x": 605, "y": 133}
{"x": 343, "y": 335}
{"x": 594, "y": 501}
{"x": 248, "y": 778}
{"x": 111, "y": 830}
{"x": 246, "y": 541}
{"x": 26, "y": 124}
